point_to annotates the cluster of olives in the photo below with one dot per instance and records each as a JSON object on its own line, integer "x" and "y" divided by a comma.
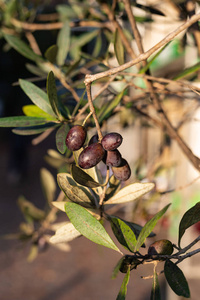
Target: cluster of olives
{"x": 96, "y": 151}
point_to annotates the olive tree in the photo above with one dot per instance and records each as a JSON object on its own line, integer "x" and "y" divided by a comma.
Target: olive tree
{"x": 98, "y": 70}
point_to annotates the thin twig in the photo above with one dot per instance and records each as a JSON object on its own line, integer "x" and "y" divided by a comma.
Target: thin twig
{"x": 162, "y": 80}
{"x": 90, "y": 78}
{"x": 33, "y": 43}
{"x": 58, "y": 25}
{"x": 117, "y": 26}
{"x": 100, "y": 91}
{"x": 92, "y": 109}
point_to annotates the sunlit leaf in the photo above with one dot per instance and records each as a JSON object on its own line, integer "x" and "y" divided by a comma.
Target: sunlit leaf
{"x": 123, "y": 233}
{"x": 32, "y": 110}
{"x": 89, "y": 226}
{"x": 119, "y": 48}
{"x": 61, "y": 137}
{"x": 21, "y": 47}
{"x": 191, "y": 217}
{"x": 155, "y": 292}
{"x": 63, "y": 43}
{"x": 65, "y": 234}
{"x": 149, "y": 226}
{"x": 73, "y": 191}
{"x": 21, "y": 121}
{"x": 123, "y": 289}
{"x": 48, "y": 184}
{"x": 176, "y": 279}
{"x": 83, "y": 178}
{"x": 37, "y": 96}
{"x": 61, "y": 206}
{"x": 149, "y": 9}
{"x": 131, "y": 193}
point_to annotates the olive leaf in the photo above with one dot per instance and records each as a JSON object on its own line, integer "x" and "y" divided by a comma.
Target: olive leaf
{"x": 191, "y": 217}
{"x": 131, "y": 193}
{"x": 61, "y": 137}
{"x": 123, "y": 233}
{"x": 48, "y": 184}
{"x": 123, "y": 289}
{"x": 155, "y": 291}
{"x": 83, "y": 178}
{"x": 89, "y": 226}
{"x": 147, "y": 229}
{"x": 37, "y": 96}
{"x": 119, "y": 48}
{"x": 63, "y": 43}
{"x": 73, "y": 191}
{"x": 52, "y": 94}
{"x": 65, "y": 234}
{"x": 176, "y": 279}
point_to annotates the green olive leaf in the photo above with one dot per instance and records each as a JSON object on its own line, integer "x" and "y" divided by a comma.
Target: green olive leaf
{"x": 123, "y": 289}
{"x": 61, "y": 135}
{"x": 37, "y": 96}
{"x": 191, "y": 217}
{"x": 123, "y": 233}
{"x": 176, "y": 279}
{"x": 89, "y": 226}
{"x": 147, "y": 229}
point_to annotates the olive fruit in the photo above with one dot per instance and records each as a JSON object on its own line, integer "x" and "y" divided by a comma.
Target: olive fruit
{"x": 129, "y": 261}
{"x": 123, "y": 172}
{"x": 113, "y": 158}
{"x": 163, "y": 247}
{"x": 111, "y": 141}
{"x": 76, "y": 137}
{"x": 94, "y": 139}
{"x": 91, "y": 156}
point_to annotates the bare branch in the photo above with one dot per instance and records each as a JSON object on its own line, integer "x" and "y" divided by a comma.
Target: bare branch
{"x": 90, "y": 78}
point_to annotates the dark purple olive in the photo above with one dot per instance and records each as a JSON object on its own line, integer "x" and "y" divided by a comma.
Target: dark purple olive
{"x": 123, "y": 172}
{"x": 76, "y": 137}
{"x": 113, "y": 158}
{"x": 91, "y": 156}
{"x": 94, "y": 139}
{"x": 111, "y": 141}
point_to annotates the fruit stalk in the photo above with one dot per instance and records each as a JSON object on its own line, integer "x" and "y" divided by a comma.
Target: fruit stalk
{"x": 92, "y": 109}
